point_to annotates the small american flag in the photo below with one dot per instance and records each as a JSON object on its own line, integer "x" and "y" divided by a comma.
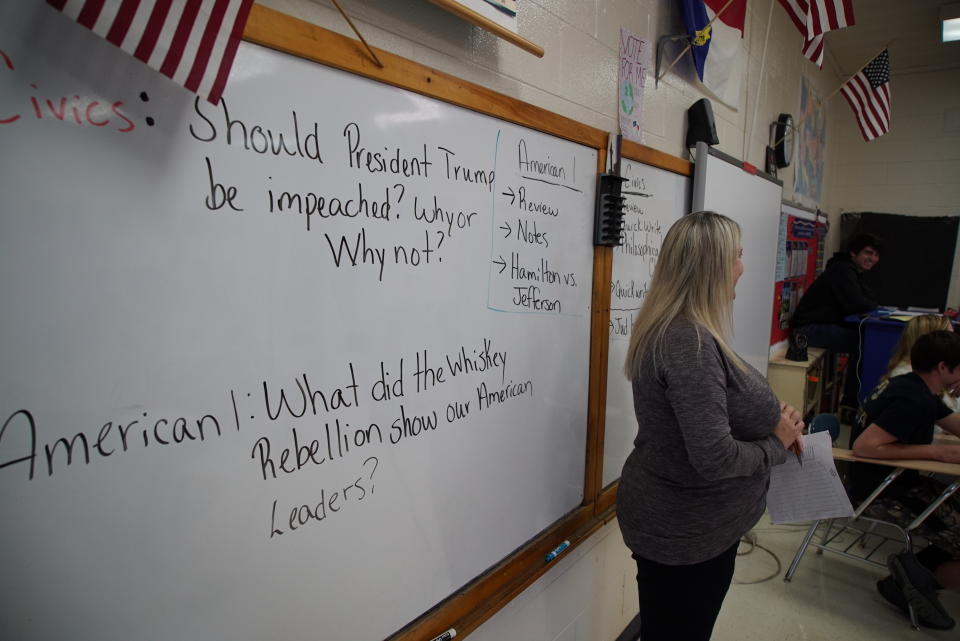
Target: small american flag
{"x": 192, "y": 42}
{"x": 868, "y": 93}
{"x": 813, "y": 18}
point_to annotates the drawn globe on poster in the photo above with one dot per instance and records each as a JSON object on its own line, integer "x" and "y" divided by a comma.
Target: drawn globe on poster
{"x": 626, "y": 98}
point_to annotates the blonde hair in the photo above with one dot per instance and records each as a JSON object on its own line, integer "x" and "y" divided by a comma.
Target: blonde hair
{"x": 694, "y": 280}
{"x": 917, "y": 327}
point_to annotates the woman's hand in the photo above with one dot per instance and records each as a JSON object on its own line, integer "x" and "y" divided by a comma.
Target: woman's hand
{"x": 790, "y": 428}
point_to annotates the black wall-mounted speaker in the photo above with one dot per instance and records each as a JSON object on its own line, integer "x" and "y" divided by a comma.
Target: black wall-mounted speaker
{"x": 700, "y": 125}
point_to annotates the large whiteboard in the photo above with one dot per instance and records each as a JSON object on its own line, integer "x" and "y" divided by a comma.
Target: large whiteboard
{"x": 285, "y": 424}
{"x": 753, "y": 200}
{"x": 665, "y": 198}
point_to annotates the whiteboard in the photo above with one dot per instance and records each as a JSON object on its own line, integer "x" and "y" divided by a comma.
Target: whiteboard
{"x": 666, "y": 197}
{"x": 322, "y": 381}
{"x": 721, "y": 184}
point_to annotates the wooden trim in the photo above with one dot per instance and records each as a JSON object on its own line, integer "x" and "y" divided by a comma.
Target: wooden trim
{"x": 599, "y": 355}
{"x": 470, "y": 15}
{"x": 270, "y": 28}
{"x": 522, "y": 582}
{"x": 607, "y": 515}
{"x": 599, "y": 349}
{"x": 607, "y": 500}
{"x": 656, "y": 158}
{"x": 476, "y": 602}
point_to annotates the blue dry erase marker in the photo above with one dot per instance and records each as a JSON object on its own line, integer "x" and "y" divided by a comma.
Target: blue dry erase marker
{"x": 446, "y": 636}
{"x": 555, "y": 552}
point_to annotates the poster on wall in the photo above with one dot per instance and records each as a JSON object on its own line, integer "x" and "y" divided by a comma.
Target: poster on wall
{"x": 634, "y": 61}
{"x": 812, "y": 144}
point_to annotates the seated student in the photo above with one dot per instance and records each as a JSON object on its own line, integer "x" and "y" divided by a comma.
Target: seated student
{"x": 900, "y": 359}
{"x": 899, "y": 363}
{"x": 837, "y": 293}
{"x": 898, "y": 424}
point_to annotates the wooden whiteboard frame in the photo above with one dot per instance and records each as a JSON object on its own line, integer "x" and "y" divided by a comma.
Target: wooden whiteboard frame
{"x": 468, "y": 607}
{"x": 471, "y": 605}
{"x": 605, "y": 505}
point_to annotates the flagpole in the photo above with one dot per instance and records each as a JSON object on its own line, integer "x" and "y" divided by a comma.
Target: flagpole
{"x": 797, "y": 124}
{"x": 359, "y": 35}
{"x": 748, "y": 134}
{"x": 687, "y": 48}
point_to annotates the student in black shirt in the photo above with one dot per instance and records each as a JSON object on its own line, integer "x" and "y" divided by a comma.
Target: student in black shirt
{"x": 837, "y": 293}
{"x": 840, "y": 290}
{"x": 898, "y": 424}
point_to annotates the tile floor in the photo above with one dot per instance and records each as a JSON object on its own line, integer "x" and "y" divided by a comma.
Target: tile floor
{"x": 829, "y": 598}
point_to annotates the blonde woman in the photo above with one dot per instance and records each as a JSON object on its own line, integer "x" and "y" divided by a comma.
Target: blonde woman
{"x": 709, "y": 430}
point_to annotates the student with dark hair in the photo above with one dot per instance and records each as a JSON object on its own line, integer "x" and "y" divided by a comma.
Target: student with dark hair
{"x": 897, "y": 423}
{"x": 837, "y": 293}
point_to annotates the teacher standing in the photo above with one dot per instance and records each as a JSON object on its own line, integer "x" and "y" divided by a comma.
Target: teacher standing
{"x": 709, "y": 430}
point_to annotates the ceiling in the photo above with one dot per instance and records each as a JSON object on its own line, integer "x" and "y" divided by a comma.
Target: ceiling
{"x": 910, "y": 27}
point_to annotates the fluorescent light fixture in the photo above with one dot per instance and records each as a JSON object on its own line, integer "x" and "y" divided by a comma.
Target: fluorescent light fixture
{"x": 950, "y": 19}
{"x": 951, "y": 30}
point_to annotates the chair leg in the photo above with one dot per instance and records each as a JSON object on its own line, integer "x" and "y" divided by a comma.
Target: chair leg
{"x": 800, "y": 552}
{"x": 946, "y": 494}
{"x": 914, "y": 621}
{"x": 826, "y": 535}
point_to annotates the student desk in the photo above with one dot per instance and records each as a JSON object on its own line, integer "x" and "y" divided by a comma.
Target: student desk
{"x": 829, "y": 542}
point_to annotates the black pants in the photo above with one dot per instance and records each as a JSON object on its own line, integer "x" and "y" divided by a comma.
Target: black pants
{"x": 840, "y": 339}
{"x": 682, "y": 601}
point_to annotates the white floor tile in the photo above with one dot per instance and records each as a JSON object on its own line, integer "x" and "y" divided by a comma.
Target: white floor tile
{"x": 830, "y": 597}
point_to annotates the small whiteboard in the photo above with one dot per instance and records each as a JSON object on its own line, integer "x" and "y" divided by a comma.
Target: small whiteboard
{"x": 659, "y": 199}
{"x": 721, "y": 184}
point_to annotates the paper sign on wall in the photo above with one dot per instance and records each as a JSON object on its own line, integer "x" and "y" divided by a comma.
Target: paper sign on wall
{"x": 634, "y": 61}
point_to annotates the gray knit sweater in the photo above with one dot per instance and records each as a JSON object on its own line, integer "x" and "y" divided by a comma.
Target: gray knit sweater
{"x": 697, "y": 478}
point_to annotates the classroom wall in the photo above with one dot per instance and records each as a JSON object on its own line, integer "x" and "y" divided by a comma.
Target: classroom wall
{"x": 577, "y": 76}
{"x": 590, "y": 594}
{"x": 914, "y": 169}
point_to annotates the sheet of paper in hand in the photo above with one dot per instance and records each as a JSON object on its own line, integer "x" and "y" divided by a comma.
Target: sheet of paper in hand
{"x": 809, "y": 491}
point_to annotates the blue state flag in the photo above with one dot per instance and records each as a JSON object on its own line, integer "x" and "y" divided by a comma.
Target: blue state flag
{"x": 716, "y": 46}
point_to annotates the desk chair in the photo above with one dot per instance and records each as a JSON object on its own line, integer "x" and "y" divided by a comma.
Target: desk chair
{"x": 825, "y": 423}
{"x": 901, "y": 537}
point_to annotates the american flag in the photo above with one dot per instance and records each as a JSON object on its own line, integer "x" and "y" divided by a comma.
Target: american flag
{"x": 868, "y": 93}
{"x": 192, "y": 42}
{"x": 813, "y": 18}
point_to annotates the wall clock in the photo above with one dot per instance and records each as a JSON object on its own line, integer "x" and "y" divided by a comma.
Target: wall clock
{"x": 783, "y": 140}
